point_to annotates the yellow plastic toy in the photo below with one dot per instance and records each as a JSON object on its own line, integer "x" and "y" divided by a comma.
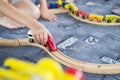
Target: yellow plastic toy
{"x": 50, "y": 64}
{"x": 73, "y": 8}
{"x": 69, "y": 77}
{"x": 67, "y": 6}
{"x": 16, "y": 64}
{"x": 112, "y": 18}
{"x": 45, "y": 69}
{"x": 60, "y": 2}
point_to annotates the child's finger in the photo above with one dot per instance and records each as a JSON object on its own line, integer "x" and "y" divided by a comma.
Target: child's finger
{"x": 41, "y": 38}
{"x": 37, "y": 38}
{"x": 45, "y": 37}
{"x": 50, "y": 35}
{"x": 50, "y": 19}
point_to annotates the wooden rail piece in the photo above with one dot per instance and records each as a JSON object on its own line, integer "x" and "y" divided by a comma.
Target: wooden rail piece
{"x": 66, "y": 60}
{"x": 58, "y": 11}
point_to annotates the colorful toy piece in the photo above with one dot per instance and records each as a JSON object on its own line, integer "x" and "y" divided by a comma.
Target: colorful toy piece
{"x": 50, "y": 42}
{"x": 9, "y": 75}
{"x": 60, "y": 2}
{"x": 67, "y": 6}
{"x": 50, "y": 64}
{"x": 45, "y": 69}
{"x": 94, "y": 17}
{"x": 79, "y": 75}
{"x": 16, "y": 64}
{"x": 112, "y": 18}
{"x": 73, "y": 8}
{"x": 51, "y": 45}
{"x": 83, "y": 14}
{"x": 53, "y": 5}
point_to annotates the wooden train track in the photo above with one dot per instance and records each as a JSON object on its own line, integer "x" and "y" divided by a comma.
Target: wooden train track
{"x": 58, "y": 11}
{"x": 66, "y": 60}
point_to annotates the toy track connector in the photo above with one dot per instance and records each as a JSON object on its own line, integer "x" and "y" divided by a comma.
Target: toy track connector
{"x": 51, "y": 45}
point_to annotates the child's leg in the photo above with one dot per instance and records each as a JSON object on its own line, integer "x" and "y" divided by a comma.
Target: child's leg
{"x": 27, "y": 8}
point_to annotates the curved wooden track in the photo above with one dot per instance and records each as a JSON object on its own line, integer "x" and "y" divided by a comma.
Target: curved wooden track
{"x": 66, "y": 60}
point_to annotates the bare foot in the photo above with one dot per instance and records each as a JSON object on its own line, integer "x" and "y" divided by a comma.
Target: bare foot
{"x": 47, "y": 15}
{"x": 9, "y": 23}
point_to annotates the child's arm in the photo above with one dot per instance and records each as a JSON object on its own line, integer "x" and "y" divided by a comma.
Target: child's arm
{"x": 10, "y": 1}
{"x": 39, "y": 31}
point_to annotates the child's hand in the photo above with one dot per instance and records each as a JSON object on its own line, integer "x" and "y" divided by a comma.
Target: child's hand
{"x": 40, "y": 34}
{"x": 47, "y": 15}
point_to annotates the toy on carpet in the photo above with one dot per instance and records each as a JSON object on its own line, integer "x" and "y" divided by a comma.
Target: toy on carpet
{"x": 45, "y": 69}
{"x": 50, "y": 42}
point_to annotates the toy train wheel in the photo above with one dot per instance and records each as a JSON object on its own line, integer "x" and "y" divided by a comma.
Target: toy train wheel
{"x": 77, "y": 14}
{"x": 83, "y": 17}
{"x": 90, "y": 19}
{"x": 98, "y": 20}
{"x": 72, "y": 11}
{"x": 118, "y": 21}
{"x": 108, "y": 21}
{"x": 31, "y": 40}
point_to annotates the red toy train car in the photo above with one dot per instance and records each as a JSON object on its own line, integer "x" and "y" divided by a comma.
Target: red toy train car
{"x": 83, "y": 14}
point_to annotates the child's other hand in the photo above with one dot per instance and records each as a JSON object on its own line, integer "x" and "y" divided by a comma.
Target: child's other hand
{"x": 40, "y": 34}
{"x": 45, "y": 13}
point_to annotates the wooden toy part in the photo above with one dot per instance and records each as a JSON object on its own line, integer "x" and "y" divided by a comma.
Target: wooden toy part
{"x": 51, "y": 45}
{"x": 58, "y": 11}
{"x": 66, "y": 60}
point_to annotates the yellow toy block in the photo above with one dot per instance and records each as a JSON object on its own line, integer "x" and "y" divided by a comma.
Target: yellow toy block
{"x": 60, "y": 2}
{"x": 94, "y": 17}
{"x": 67, "y": 6}
{"x": 16, "y": 64}
{"x": 50, "y": 64}
{"x": 10, "y": 75}
{"x": 112, "y": 18}
{"x": 69, "y": 77}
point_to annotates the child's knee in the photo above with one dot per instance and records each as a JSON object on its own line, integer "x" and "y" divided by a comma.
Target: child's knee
{"x": 28, "y": 8}
{"x": 36, "y": 13}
